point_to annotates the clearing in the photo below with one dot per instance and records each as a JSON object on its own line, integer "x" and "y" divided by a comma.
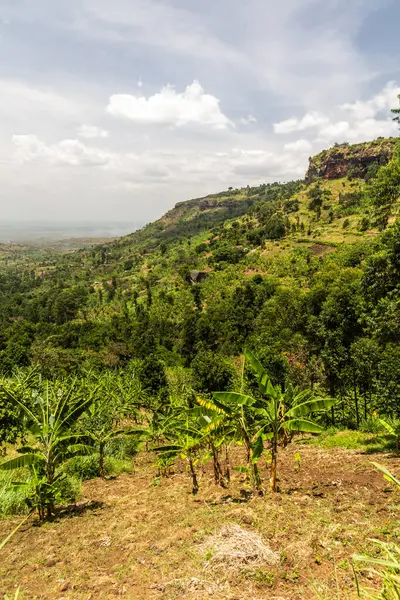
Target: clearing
{"x": 142, "y": 537}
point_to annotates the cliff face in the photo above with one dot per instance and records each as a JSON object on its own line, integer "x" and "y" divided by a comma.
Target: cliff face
{"x": 346, "y": 160}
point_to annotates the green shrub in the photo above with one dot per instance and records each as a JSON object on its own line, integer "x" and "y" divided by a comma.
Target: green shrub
{"x": 83, "y": 467}
{"x": 87, "y": 467}
{"x": 122, "y": 448}
{"x": 371, "y": 425}
{"x": 364, "y": 224}
{"x": 70, "y": 489}
{"x": 12, "y": 499}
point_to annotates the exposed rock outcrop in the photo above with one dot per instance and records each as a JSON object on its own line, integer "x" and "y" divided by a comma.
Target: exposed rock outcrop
{"x": 346, "y": 160}
{"x": 196, "y": 277}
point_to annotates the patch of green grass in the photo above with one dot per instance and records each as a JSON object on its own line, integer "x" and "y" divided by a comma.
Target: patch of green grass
{"x": 352, "y": 440}
{"x": 87, "y": 467}
{"x": 12, "y": 500}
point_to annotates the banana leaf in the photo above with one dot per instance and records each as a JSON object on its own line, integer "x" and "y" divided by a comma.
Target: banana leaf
{"x": 303, "y": 425}
{"x": 20, "y": 461}
{"x": 14, "y": 531}
{"x": 388, "y": 427}
{"x": 232, "y": 399}
{"x": 304, "y": 409}
{"x": 258, "y": 449}
{"x": 386, "y": 474}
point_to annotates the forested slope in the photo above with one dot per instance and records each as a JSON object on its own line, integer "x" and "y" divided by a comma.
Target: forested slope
{"x": 305, "y": 273}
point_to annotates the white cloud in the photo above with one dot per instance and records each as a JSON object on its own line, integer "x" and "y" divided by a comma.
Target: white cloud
{"x": 247, "y": 120}
{"x": 365, "y": 119}
{"x": 310, "y": 119}
{"x": 71, "y": 153}
{"x": 357, "y": 121}
{"x": 169, "y": 107}
{"x": 381, "y": 102}
{"x": 357, "y": 131}
{"x": 92, "y": 132}
{"x": 299, "y": 146}
{"x": 306, "y": 58}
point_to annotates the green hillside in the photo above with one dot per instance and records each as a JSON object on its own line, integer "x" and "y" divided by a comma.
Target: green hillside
{"x": 166, "y": 375}
{"x": 303, "y": 272}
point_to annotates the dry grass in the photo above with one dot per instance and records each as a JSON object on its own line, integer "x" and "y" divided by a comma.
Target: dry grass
{"x": 139, "y": 538}
{"x": 234, "y": 548}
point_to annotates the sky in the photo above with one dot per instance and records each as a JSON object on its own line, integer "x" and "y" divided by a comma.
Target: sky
{"x": 113, "y": 111}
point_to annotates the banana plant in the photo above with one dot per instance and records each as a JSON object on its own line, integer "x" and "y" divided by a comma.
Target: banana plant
{"x": 388, "y": 560}
{"x": 51, "y": 415}
{"x": 185, "y": 437}
{"x": 278, "y": 412}
{"x": 99, "y": 429}
{"x": 267, "y": 417}
{"x": 393, "y": 429}
{"x": 218, "y": 433}
{"x": 232, "y": 412}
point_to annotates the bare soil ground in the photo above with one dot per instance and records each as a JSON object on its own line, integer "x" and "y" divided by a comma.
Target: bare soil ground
{"x": 143, "y": 538}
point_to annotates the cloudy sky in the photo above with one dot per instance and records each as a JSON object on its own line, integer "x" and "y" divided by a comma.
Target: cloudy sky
{"x": 113, "y": 110}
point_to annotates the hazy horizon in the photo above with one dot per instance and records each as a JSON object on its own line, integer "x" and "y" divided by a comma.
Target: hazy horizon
{"x": 17, "y": 231}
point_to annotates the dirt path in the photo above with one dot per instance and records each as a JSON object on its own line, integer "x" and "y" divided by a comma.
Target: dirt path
{"x": 140, "y": 537}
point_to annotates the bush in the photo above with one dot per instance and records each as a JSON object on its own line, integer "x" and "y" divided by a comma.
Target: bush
{"x": 212, "y": 372}
{"x": 70, "y": 489}
{"x": 83, "y": 467}
{"x": 371, "y": 425}
{"x": 13, "y": 499}
{"x": 228, "y": 254}
{"x": 122, "y": 448}
{"x": 200, "y": 248}
{"x": 364, "y": 224}
{"x": 87, "y": 467}
{"x": 275, "y": 229}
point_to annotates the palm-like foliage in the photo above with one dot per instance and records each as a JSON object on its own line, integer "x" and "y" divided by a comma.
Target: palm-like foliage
{"x": 390, "y": 561}
{"x": 267, "y": 417}
{"x": 393, "y": 429}
{"x": 99, "y": 427}
{"x": 232, "y": 412}
{"x": 184, "y": 437}
{"x": 279, "y": 412}
{"x": 51, "y": 415}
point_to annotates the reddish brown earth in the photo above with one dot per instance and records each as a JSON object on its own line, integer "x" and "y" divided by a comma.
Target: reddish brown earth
{"x": 139, "y": 537}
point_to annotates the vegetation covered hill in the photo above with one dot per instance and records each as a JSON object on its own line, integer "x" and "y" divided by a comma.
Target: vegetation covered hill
{"x": 305, "y": 273}
{"x": 357, "y": 160}
{"x": 208, "y": 339}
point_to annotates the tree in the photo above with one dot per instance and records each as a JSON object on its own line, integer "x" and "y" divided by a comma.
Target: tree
{"x": 267, "y": 416}
{"x": 317, "y": 196}
{"x": 151, "y": 374}
{"x": 11, "y": 416}
{"x": 99, "y": 427}
{"x": 50, "y": 422}
{"x": 384, "y": 189}
{"x": 396, "y": 111}
{"x": 278, "y": 412}
{"x": 211, "y": 371}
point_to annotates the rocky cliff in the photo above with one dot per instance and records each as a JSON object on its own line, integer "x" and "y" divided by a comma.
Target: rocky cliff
{"x": 350, "y": 160}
